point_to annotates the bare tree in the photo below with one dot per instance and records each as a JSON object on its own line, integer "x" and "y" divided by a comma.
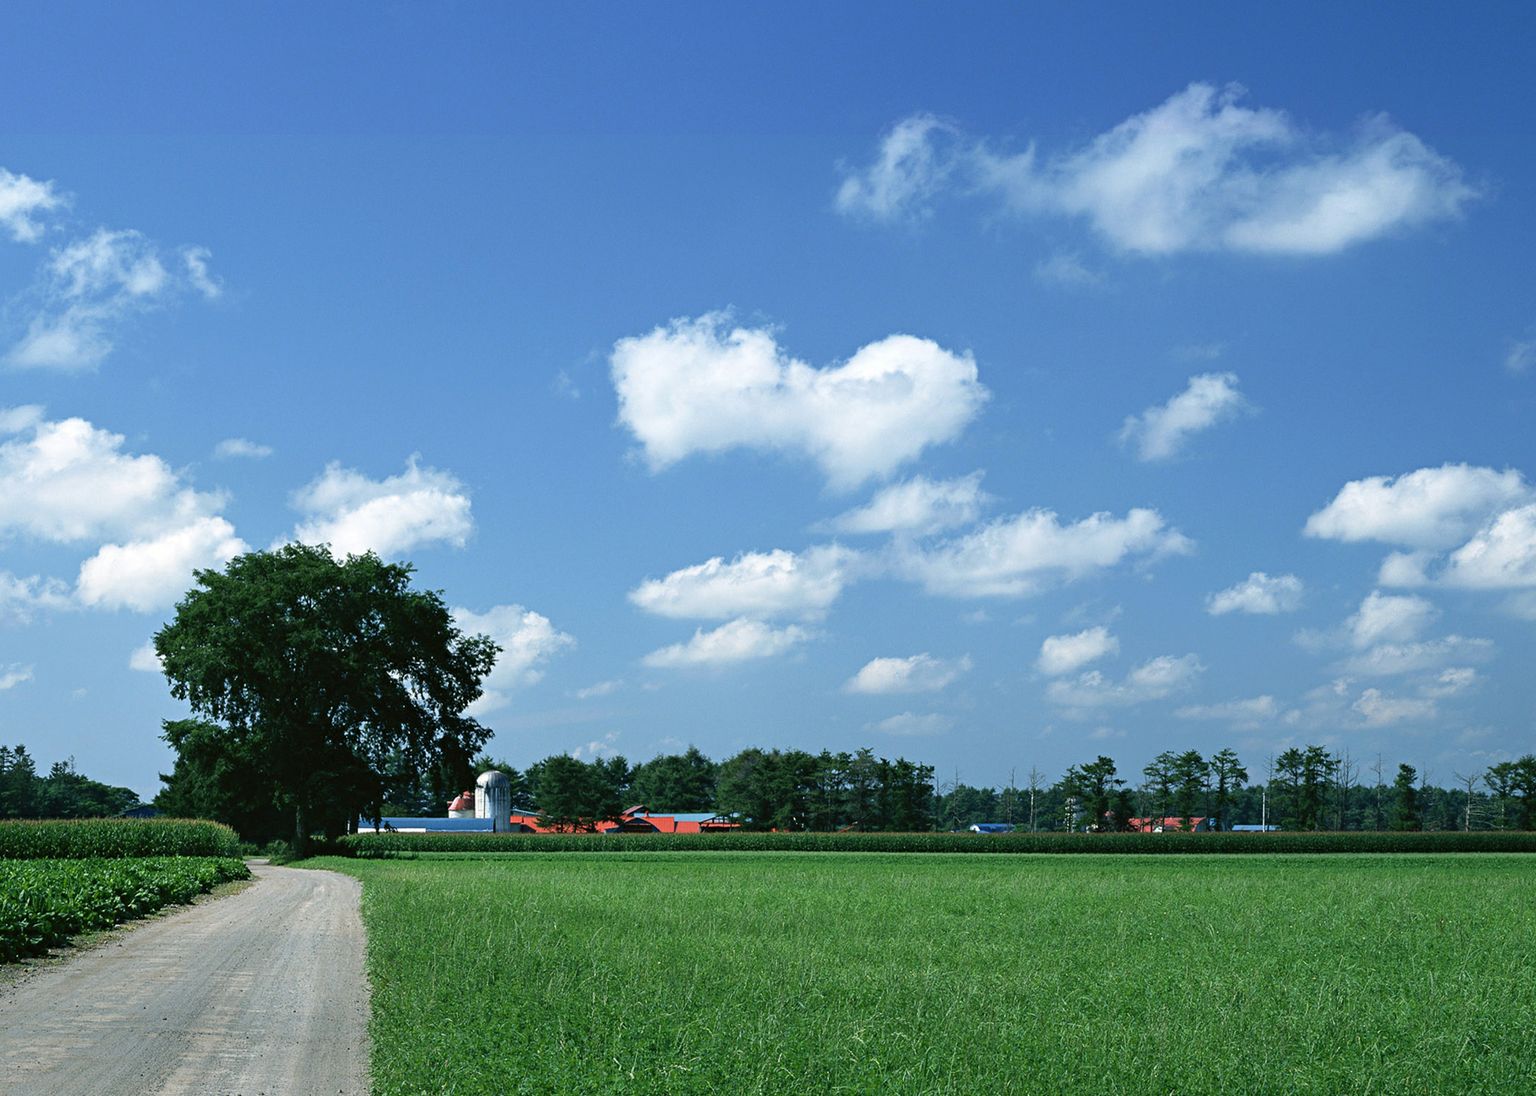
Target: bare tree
{"x": 1470, "y": 783}
{"x": 1378, "y": 769}
{"x": 1345, "y": 777}
{"x": 1036, "y": 782}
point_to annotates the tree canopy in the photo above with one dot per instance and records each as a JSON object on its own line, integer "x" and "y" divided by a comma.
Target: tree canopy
{"x": 324, "y": 676}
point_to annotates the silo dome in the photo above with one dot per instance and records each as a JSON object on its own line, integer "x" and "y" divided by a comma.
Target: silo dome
{"x": 493, "y": 800}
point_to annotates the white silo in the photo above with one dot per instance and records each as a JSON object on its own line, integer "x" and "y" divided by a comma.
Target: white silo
{"x": 493, "y": 800}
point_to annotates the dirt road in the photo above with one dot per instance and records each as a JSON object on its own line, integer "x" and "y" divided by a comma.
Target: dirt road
{"x": 258, "y": 994}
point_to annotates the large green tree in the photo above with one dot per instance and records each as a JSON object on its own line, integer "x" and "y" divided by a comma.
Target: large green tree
{"x": 328, "y": 671}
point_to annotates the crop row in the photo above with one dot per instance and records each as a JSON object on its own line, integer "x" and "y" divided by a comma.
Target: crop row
{"x": 44, "y": 902}
{"x": 392, "y": 845}
{"x": 114, "y": 837}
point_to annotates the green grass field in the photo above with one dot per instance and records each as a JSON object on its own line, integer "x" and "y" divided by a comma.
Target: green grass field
{"x": 740, "y": 973}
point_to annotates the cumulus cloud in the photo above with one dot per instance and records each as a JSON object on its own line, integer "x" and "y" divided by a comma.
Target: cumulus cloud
{"x": 89, "y": 288}
{"x": 1160, "y": 432}
{"x": 913, "y": 724}
{"x": 1069, "y": 653}
{"x": 918, "y": 506}
{"x": 1152, "y": 680}
{"x": 1501, "y": 556}
{"x": 1432, "y": 508}
{"x": 1388, "y": 618}
{"x": 527, "y": 640}
{"x": 145, "y": 660}
{"x": 914, "y": 674}
{"x": 736, "y": 641}
{"x": 1200, "y": 171}
{"x": 1018, "y": 555}
{"x": 1240, "y": 713}
{"x": 69, "y": 481}
{"x": 756, "y": 584}
{"x": 355, "y": 514}
{"x": 703, "y": 386}
{"x": 144, "y": 575}
{"x": 21, "y": 200}
{"x": 1259, "y": 594}
{"x": 13, "y": 675}
{"x": 1380, "y": 710}
{"x": 241, "y": 448}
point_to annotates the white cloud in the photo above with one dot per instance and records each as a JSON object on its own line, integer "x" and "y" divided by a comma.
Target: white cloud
{"x": 235, "y": 448}
{"x": 13, "y": 675}
{"x": 195, "y": 261}
{"x": 354, "y": 514}
{"x": 1152, "y": 680}
{"x": 1066, "y": 268}
{"x": 1391, "y": 659}
{"x": 149, "y": 574}
{"x": 1501, "y": 556}
{"x": 1387, "y": 618}
{"x": 1160, "y": 432}
{"x": 1240, "y": 713}
{"x": 756, "y": 584}
{"x": 1520, "y": 356}
{"x": 21, "y": 200}
{"x": 69, "y": 481}
{"x": 1381, "y": 710}
{"x": 918, "y": 506}
{"x": 1197, "y": 172}
{"x": 1451, "y": 682}
{"x": 145, "y": 659}
{"x": 22, "y": 598}
{"x": 602, "y": 688}
{"x": 735, "y": 641}
{"x": 914, "y": 674}
{"x": 913, "y": 725}
{"x": 89, "y": 288}
{"x": 701, "y": 386}
{"x": 1017, "y": 555}
{"x": 1260, "y": 594}
{"x": 1403, "y": 569}
{"x": 1427, "y": 509}
{"x": 911, "y": 168}
{"x": 1068, "y": 653}
{"x": 527, "y": 640}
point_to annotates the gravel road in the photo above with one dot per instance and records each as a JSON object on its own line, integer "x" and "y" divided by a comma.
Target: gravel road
{"x": 261, "y": 993}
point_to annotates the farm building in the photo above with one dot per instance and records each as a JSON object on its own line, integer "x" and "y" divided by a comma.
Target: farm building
{"x": 1170, "y": 825}
{"x": 638, "y": 819}
{"x": 1254, "y": 829}
{"x": 991, "y": 827}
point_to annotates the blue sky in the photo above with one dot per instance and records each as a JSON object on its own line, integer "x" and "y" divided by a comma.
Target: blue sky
{"x": 986, "y": 385}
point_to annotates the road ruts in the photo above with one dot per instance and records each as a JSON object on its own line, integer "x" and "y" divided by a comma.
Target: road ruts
{"x": 261, "y": 993}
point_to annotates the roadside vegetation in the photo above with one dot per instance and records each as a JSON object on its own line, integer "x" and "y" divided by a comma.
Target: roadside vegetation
{"x": 62, "y": 878}
{"x": 778, "y": 973}
{"x": 45, "y": 902}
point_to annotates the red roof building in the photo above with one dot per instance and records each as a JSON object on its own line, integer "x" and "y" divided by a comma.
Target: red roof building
{"x": 1170, "y": 825}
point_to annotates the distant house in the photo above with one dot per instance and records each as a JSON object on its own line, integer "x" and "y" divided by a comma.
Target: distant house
{"x": 1253, "y": 829}
{"x": 991, "y": 827}
{"x": 1170, "y": 825}
{"x": 143, "y": 810}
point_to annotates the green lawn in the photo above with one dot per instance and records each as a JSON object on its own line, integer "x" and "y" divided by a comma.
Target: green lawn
{"x": 794, "y": 973}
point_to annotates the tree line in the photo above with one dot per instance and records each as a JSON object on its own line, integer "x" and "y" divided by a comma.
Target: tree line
{"x": 62, "y": 793}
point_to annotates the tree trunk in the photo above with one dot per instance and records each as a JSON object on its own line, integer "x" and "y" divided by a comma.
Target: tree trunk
{"x": 300, "y": 830}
